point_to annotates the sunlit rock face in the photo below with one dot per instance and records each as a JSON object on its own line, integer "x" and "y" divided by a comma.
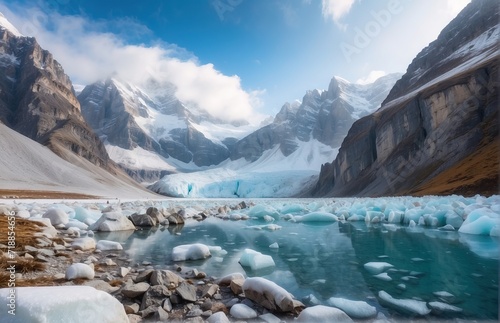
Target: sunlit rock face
{"x": 37, "y": 100}
{"x": 322, "y": 115}
{"x": 438, "y": 125}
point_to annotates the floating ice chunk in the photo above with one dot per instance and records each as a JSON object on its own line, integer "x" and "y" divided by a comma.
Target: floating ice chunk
{"x": 377, "y": 267}
{"x": 274, "y": 246}
{"x": 292, "y": 208}
{"x": 440, "y": 307}
{"x": 480, "y": 221}
{"x": 242, "y": 311}
{"x": 401, "y": 286}
{"x": 321, "y": 313}
{"x": 356, "y": 217}
{"x": 412, "y": 224}
{"x": 404, "y": 305}
{"x": 416, "y": 259}
{"x": 235, "y": 217}
{"x": 447, "y": 227}
{"x": 311, "y": 300}
{"x": 383, "y": 276}
{"x": 105, "y": 245}
{"x": 260, "y": 211}
{"x": 395, "y": 217}
{"x": 194, "y": 251}
{"x": 443, "y": 294}
{"x": 355, "y": 309}
{"x": 268, "y": 218}
{"x": 316, "y": 217}
{"x": 256, "y": 260}
{"x": 79, "y": 270}
{"x": 217, "y": 251}
{"x": 269, "y": 318}
{"x": 270, "y": 227}
{"x": 65, "y": 304}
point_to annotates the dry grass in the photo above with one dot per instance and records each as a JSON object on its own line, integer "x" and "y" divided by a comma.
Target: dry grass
{"x": 24, "y": 230}
{"x": 23, "y": 265}
{"x": 116, "y": 282}
{"x": 38, "y": 281}
{"x": 478, "y": 173}
{"x": 31, "y": 194}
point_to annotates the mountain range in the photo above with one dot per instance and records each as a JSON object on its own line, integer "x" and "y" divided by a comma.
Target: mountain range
{"x": 433, "y": 130}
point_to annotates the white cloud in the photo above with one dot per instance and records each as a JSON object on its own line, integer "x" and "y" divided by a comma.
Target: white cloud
{"x": 336, "y": 9}
{"x": 372, "y": 77}
{"x": 88, "y": 54}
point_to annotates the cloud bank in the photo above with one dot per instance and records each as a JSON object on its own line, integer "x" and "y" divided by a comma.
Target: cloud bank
{"x": 88, "y": 53}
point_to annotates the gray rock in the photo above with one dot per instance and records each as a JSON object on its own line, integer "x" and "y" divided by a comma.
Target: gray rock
{"x": 166, "y": 278}
{"x": 134, "y": 318}
{"x": 210, "y": 290}
{"x": 154, "y": 296}
{"x": 144, "y": 275}
{"x": 160, "y": 315}
{"x": 142, "y": 220}
{"x": 131, "y": 308}
{"x": 218, "y": 317}
{"x": 186, "y": 291}
{"x": 167, "y": 305}
{"x": 206, "y": 305}
{"x": 102, "y": 285}
{"x": 195, "y": 311}
{"x": 135, "y": 290}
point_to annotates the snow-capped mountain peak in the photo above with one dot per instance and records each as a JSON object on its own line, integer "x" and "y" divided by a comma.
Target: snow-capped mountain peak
{"x": 5, "y": 24}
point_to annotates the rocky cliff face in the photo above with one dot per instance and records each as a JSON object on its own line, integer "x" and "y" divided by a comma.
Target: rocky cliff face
{"x": 322, "y": 115}
{"x": 434, "y": 122}
{"x": 38, "y": 101}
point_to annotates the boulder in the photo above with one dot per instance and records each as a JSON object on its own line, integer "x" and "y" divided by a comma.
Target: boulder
{"x": 218, "y": 317}
{"x": 268, "y": 294}
{"x": 135, "y": 290}
{"x": 166, "y": 278}
{"x": 142, "y": 220}
{"x": 186, "y": 291}
{"x": 154, "y": 296}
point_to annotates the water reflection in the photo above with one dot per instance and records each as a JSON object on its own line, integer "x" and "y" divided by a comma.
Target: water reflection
{"x": 327, "y": 259}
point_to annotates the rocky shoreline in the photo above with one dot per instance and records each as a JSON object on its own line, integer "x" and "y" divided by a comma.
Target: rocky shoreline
{"x": 151, "y": 292}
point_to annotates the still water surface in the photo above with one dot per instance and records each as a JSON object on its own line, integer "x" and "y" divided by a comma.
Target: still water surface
{"x": 326, "y": 259}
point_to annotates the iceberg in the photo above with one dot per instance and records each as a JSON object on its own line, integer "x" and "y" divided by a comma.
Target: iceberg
{"x": 404, "y": 305}
{"x": 194, "y": 251}
{"x": 256, "y": 260}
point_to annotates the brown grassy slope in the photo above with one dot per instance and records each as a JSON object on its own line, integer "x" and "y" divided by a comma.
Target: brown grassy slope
{"x": 478, "y": 173}
{"x": 32, "y": 194}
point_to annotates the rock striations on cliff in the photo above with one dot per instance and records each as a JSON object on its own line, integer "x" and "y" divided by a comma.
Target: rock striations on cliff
{"x": 437, "y": 131}
{"x": 38, "y": 101}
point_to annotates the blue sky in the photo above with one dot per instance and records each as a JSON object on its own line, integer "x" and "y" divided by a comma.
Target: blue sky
{"x": 261, "y": 52}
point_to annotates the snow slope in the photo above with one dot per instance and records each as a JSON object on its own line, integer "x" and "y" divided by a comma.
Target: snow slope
{"x": 27, "y": 165}
{"x": 5, "y": 24}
